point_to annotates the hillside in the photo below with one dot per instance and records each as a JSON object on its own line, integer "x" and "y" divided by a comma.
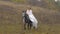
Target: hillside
{"x": 49, "y": 4}
{"x": 11, "y": 19}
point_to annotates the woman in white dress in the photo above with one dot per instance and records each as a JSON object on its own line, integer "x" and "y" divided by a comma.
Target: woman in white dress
{"x": 32, "y": 17}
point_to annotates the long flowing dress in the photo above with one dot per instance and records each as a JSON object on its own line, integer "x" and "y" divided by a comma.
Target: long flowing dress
{"x": 32, "y": 18}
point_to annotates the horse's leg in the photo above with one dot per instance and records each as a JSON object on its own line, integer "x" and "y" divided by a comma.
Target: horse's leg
{"x": 24, "y": 25}
{"x": 30, "y": 25}
{"x": 35, "y": 25}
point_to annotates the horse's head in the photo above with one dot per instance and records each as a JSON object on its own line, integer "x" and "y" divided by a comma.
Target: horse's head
{"x": 24, "y": 11}
{"x": 25, "y": 15}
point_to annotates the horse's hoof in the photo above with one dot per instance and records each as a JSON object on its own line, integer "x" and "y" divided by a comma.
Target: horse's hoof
{"x": 24, "y": 28}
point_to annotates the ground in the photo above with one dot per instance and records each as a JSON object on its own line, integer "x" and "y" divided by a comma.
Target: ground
{"x": 11, "y": 19}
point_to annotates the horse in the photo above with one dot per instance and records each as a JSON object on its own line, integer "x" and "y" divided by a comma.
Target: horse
{"x": 27, "y": 21}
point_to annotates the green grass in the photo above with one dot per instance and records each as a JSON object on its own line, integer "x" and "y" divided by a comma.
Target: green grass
{"x": 19, "y": 1}
{"x": 9, "y": 29}
{"x": 11, "y": 20}
{"x": 17, "y": 29}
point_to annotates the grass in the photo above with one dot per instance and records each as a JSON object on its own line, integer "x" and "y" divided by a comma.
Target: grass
{"x": 11, "y": 20}
{"x": 19, "y": 1}
{"x": 17, "y": 29}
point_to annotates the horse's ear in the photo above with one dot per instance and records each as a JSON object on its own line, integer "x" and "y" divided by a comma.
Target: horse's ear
{"x": 22, "y": 11}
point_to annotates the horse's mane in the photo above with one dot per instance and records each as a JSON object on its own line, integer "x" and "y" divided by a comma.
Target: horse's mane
{"x": 26, "y": 16}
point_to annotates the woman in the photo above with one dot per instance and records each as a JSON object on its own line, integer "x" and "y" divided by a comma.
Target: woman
{"x": 32, "y": 17}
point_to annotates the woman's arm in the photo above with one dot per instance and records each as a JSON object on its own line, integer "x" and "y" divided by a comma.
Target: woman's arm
{"x": 27, "y": 12}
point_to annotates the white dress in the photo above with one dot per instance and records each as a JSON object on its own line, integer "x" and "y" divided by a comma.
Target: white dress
{"x": 32, "y": 18}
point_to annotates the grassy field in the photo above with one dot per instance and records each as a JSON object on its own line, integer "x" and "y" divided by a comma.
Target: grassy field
{"x": 11, "y": 19}
{"x": 19, "y": 1}
{"x": 17, "y": 29}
